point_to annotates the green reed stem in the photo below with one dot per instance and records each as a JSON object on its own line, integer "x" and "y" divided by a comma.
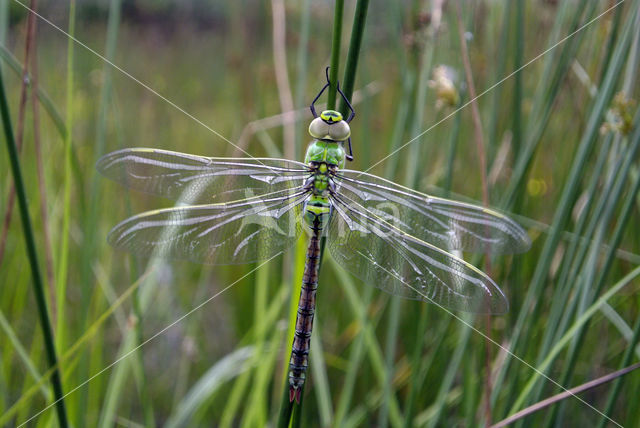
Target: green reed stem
{"x": 496, "y": 93}
{"x": 349, "y": 79}
{"x": 61, "y": 279}
{"x": 43, "y": 313}
{"x": 335, "y": 54}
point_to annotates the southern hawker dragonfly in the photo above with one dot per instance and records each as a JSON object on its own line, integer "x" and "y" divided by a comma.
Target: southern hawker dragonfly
{"x": 252, "y": 209}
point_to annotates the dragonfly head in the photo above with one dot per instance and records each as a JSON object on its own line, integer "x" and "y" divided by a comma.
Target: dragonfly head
{"x": 330, "y": 126}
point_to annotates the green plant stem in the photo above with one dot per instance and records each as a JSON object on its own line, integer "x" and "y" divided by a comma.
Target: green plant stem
{"x": 496, "y": 93}
{"x": 285, "y": 408}
{"x": 351, "y": 65}
{"x": 335, "y": 54}
{"x": 33, "y": 257}
{"x": 63, "y": 265}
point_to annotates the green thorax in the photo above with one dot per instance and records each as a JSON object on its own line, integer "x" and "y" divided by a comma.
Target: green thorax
{"x": 330, "y": 152}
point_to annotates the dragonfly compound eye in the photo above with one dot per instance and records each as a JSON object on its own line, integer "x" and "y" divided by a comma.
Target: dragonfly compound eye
{"x": 319, "y": 128}
{"x": 339, "y": 131}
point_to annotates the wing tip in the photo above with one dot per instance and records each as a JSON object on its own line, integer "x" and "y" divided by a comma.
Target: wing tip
{"x": 523, "y": 242}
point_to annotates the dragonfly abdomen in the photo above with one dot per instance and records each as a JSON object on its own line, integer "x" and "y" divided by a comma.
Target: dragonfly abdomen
{"x": 304, "y": 320}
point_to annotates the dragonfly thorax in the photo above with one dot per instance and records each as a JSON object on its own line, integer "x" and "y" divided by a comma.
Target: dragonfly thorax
{"x": 331, "y": 153}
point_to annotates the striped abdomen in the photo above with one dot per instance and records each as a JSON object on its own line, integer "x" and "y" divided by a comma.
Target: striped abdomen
{"x": 304, "y": 320}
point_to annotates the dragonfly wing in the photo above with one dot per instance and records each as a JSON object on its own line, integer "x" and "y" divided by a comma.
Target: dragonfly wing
{"x": 402, "y": 265}
{"x": 448, "y": 224}
{"x": 232, "y": 233}
{"x": 199, "y": 179}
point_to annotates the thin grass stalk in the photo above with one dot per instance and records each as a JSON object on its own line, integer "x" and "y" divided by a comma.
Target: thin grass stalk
{"x": 23, "y": 355}
{"x": 568, "y": 195}
{"x": 41, "y": 302}
{"x": 475, "y": 112}
{"x": 4, "y": 21}
{"x": 282, "y": 75}
{"x": 407, "y": 78}
{"x": 321, "y": 384}
{"x": 389, "y": 351}
{"x": 518, "y": 60}
{"x": 63, "y": 262}
{"x": 43, "y": 97}
{"x": 400, "y": 122}
{"x": 496, "y": 93}
{"x": 293, "y": 266}
{"x": 611, "y": 41}
{"x": 255, "y": 412}
{"x": 286, "y": 407}
{"x": 481, "y": 152}
{"x": 566, "y": 394}
{"x": 302, "y": 68}
{"x": 453, "y": 145}
{"x": 40, "y": 167}
{"x": 425, "y": 66}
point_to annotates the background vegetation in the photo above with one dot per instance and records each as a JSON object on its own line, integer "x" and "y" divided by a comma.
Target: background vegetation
{"x": 561, "y": 140}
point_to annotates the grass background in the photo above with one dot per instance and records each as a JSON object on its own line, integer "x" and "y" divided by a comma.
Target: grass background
{"x": 571, "y": 182}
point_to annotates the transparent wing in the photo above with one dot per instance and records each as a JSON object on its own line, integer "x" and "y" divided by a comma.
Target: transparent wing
{"x": 199, "y": 179}
{"x": 402, "y": 265}
{"x": 445, "y": 223}
{"x": 233, "y": 233}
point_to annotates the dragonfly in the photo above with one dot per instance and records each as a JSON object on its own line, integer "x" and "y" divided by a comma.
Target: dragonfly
{"x": 245, "y": 210}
